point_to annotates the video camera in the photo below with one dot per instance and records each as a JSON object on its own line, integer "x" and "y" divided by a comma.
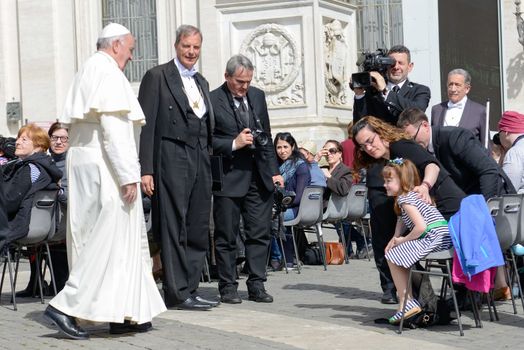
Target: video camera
{"x": 377, "y": 61}
{"x": 282, "y": 198}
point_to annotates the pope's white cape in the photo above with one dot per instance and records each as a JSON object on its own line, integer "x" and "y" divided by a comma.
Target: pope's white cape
{"x": 110, "y": 269}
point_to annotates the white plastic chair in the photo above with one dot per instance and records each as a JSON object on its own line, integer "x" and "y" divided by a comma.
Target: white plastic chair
{"x": 310, "y": 213}
{"x": 42, "y": 226}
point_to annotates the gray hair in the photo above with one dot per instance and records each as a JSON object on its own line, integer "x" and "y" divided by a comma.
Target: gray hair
{"x": 463, "y": 72}
{"x": 106, "y": 43}
{"x": 186, "y": 30}
{"x": 236, "y": 62}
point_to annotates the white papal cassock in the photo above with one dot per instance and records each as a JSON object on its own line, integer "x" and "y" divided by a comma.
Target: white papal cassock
{"x": 110, "y": 278}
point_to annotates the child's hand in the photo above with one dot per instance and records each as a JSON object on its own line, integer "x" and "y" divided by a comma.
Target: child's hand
{"x": 395, "y": 241}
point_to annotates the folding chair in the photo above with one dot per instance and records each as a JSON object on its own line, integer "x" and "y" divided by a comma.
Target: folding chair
{"x": 310, "y": 213}
{"x": 42, "y": 225}
{"x": 357, "y": 209}
{"x": 336, "y": 211}
{"x": 441, "y": 261}
{"x": 509, "y": 218}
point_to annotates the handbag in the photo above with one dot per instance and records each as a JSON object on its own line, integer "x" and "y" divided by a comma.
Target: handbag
{"x": 334, "y": 253}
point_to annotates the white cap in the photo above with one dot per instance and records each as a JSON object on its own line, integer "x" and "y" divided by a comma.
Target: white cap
{"x": 113, "y": 29}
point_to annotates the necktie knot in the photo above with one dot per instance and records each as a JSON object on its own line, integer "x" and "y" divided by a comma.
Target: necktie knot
{"x": 395, "y": 89}
{"x": 242, "y": 105}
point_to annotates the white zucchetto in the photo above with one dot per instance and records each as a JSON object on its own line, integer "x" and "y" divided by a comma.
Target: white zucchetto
{"x": 113, "y": 29}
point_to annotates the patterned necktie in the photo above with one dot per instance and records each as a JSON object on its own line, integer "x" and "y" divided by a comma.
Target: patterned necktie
{"x": 242, "y": 110}
{"x": 396, "y": 89}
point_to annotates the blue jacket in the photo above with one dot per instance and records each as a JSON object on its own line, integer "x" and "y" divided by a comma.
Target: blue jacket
{"x": 474, "y": 237}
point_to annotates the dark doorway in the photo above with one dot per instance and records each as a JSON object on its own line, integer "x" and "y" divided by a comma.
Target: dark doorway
{"x": 468, "y": 36}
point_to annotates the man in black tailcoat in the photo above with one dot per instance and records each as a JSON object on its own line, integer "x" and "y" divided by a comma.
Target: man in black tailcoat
{"x": 175, "y": 146}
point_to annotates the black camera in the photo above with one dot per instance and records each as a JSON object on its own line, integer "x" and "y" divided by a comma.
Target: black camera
{"x": 282, "y": 198}
{"x": 260, "y": 137}
{"x": 377, "y": 61}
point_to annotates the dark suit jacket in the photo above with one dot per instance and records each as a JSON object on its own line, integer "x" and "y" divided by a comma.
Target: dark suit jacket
{"x": 468, "y": 162}
{"x": 166, "y": 107}
{"x": 3, "y": 215}
{"x": 339, "y": 182}
{"x": 473, "y": 118}
{"x": 239, "y": 165}
{"x": 373, "y": 103}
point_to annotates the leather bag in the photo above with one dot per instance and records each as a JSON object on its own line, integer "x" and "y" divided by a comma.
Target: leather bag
{"x": 334, "y": 253}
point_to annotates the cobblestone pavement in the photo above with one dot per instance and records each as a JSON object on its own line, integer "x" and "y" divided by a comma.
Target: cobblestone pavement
{"x": 316, "y": 309}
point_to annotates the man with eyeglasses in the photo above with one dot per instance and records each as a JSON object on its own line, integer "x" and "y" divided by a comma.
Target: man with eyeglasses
{"x": 460, "y": 153}
{"x": 386, "y": 99}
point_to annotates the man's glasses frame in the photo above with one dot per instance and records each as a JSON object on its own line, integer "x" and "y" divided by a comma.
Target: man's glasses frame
{"x": 62, "y": 139}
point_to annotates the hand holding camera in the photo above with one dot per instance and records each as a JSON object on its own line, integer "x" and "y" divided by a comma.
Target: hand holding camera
{"x": 245, "y": 138}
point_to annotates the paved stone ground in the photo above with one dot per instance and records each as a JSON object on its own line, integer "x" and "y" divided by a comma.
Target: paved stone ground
{"x": 316, "y": 309}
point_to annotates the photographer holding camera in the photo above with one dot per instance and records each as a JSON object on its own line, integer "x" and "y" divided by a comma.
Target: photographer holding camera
{"x": 384, "y": 94}
{"x": 242, "y": 138}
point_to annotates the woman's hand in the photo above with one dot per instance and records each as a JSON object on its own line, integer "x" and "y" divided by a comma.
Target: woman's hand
{"x": 423, "y": 193}
{"x": 326, "y": 172}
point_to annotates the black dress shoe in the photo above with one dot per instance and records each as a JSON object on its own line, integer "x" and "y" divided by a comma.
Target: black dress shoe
{"x": 192, "y": 304}
{"x": 212, "y": 303}
{"x": 26, "y": 293}
{"x": 230, "y": 297}
{"x": 260, "y": 296}
{"x": 65, "y": 323}
{"x": 387, "y": 298}
{"x": 128, "y": 327}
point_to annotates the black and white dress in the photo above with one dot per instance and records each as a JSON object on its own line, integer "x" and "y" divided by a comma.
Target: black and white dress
{"x": 436, "y": 239}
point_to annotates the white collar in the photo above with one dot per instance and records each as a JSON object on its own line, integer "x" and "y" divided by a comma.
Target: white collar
{"x": 184, "y": 72}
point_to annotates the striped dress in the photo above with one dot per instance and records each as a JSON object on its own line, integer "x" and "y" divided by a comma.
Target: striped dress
{"x": 436, "y": 239}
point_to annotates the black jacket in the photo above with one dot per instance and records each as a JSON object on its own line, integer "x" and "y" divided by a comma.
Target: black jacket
{"x": 19, "y": 191}
{"x": 373, "y": 103}
{"x": 239, "y": 165}
{"x": 468, "y": 162}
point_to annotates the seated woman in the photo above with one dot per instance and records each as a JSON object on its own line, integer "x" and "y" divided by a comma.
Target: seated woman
{"x": 33, "y": 171}
{"x": 339, "y": 179}
{"x": 59, "y": 145}
{"x": 295, "y": 171}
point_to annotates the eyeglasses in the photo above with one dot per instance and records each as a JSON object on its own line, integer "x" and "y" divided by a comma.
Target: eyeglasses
{"x": 418, "y": 129}
{"x": 333, "y": 150}
{"x": 62, "y": 139}
{"x": 369, "y": 142}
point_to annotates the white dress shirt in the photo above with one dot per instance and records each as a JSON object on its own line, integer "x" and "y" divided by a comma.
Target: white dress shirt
{"x": 454, "y": 112}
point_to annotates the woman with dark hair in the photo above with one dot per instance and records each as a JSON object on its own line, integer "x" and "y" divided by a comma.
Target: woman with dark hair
{"x": 338, "y": 175}
{"x": 376, "y": 142}
{"x": 295, "y": 171}
{"x": 33, "y": 171}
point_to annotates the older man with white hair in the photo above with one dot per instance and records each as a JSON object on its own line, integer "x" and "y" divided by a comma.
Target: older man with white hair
{"x": 110, "y": 278}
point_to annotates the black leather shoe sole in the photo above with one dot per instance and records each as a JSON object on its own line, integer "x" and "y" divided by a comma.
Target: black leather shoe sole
{"x": 123, "y": 328}
{"x": 264, "y": 298}
{"x": 230, "y": 299}
{"x": 192, "y": 305}
{"x": 60, "y": 320}
{"x": 211, "y": 303}
{"x": 390, "y": 300}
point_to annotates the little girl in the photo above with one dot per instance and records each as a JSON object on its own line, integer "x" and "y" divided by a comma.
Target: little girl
{"x": 421, "y": 231}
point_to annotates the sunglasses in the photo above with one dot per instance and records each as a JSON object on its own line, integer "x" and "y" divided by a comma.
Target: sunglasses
{"x": 333, "y": 150}
{"x": 416, "y": 134}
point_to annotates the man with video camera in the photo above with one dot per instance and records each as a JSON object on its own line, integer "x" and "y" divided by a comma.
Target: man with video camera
{"x": 384, "y": 91}
{"x": 242, "y": 138}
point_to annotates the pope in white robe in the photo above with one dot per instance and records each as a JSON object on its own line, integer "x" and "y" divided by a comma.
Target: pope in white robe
{"x": 110, "y": 278}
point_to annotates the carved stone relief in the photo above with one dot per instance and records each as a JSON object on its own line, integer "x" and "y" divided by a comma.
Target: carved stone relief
{"x": 336, "y": 71}
{"x": 278, "y": 64}
{"x": 520, "y": 23}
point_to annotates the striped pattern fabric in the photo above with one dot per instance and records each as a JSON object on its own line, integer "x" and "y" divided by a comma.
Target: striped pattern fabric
{"x": 437, "y": 239}
{"x": 35, "y": 172}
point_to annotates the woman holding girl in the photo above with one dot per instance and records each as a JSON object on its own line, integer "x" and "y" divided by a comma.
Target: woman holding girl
{"x": 421, "y": 231}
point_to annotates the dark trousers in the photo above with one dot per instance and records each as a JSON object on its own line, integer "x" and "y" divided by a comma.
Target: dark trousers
{"x": 255, "y": 208}
{"x": 383, "y": 221}
{"x": 181, "y": 208}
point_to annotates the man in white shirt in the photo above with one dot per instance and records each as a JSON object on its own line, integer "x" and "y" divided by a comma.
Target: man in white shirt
{"x": 459, "y": 110}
